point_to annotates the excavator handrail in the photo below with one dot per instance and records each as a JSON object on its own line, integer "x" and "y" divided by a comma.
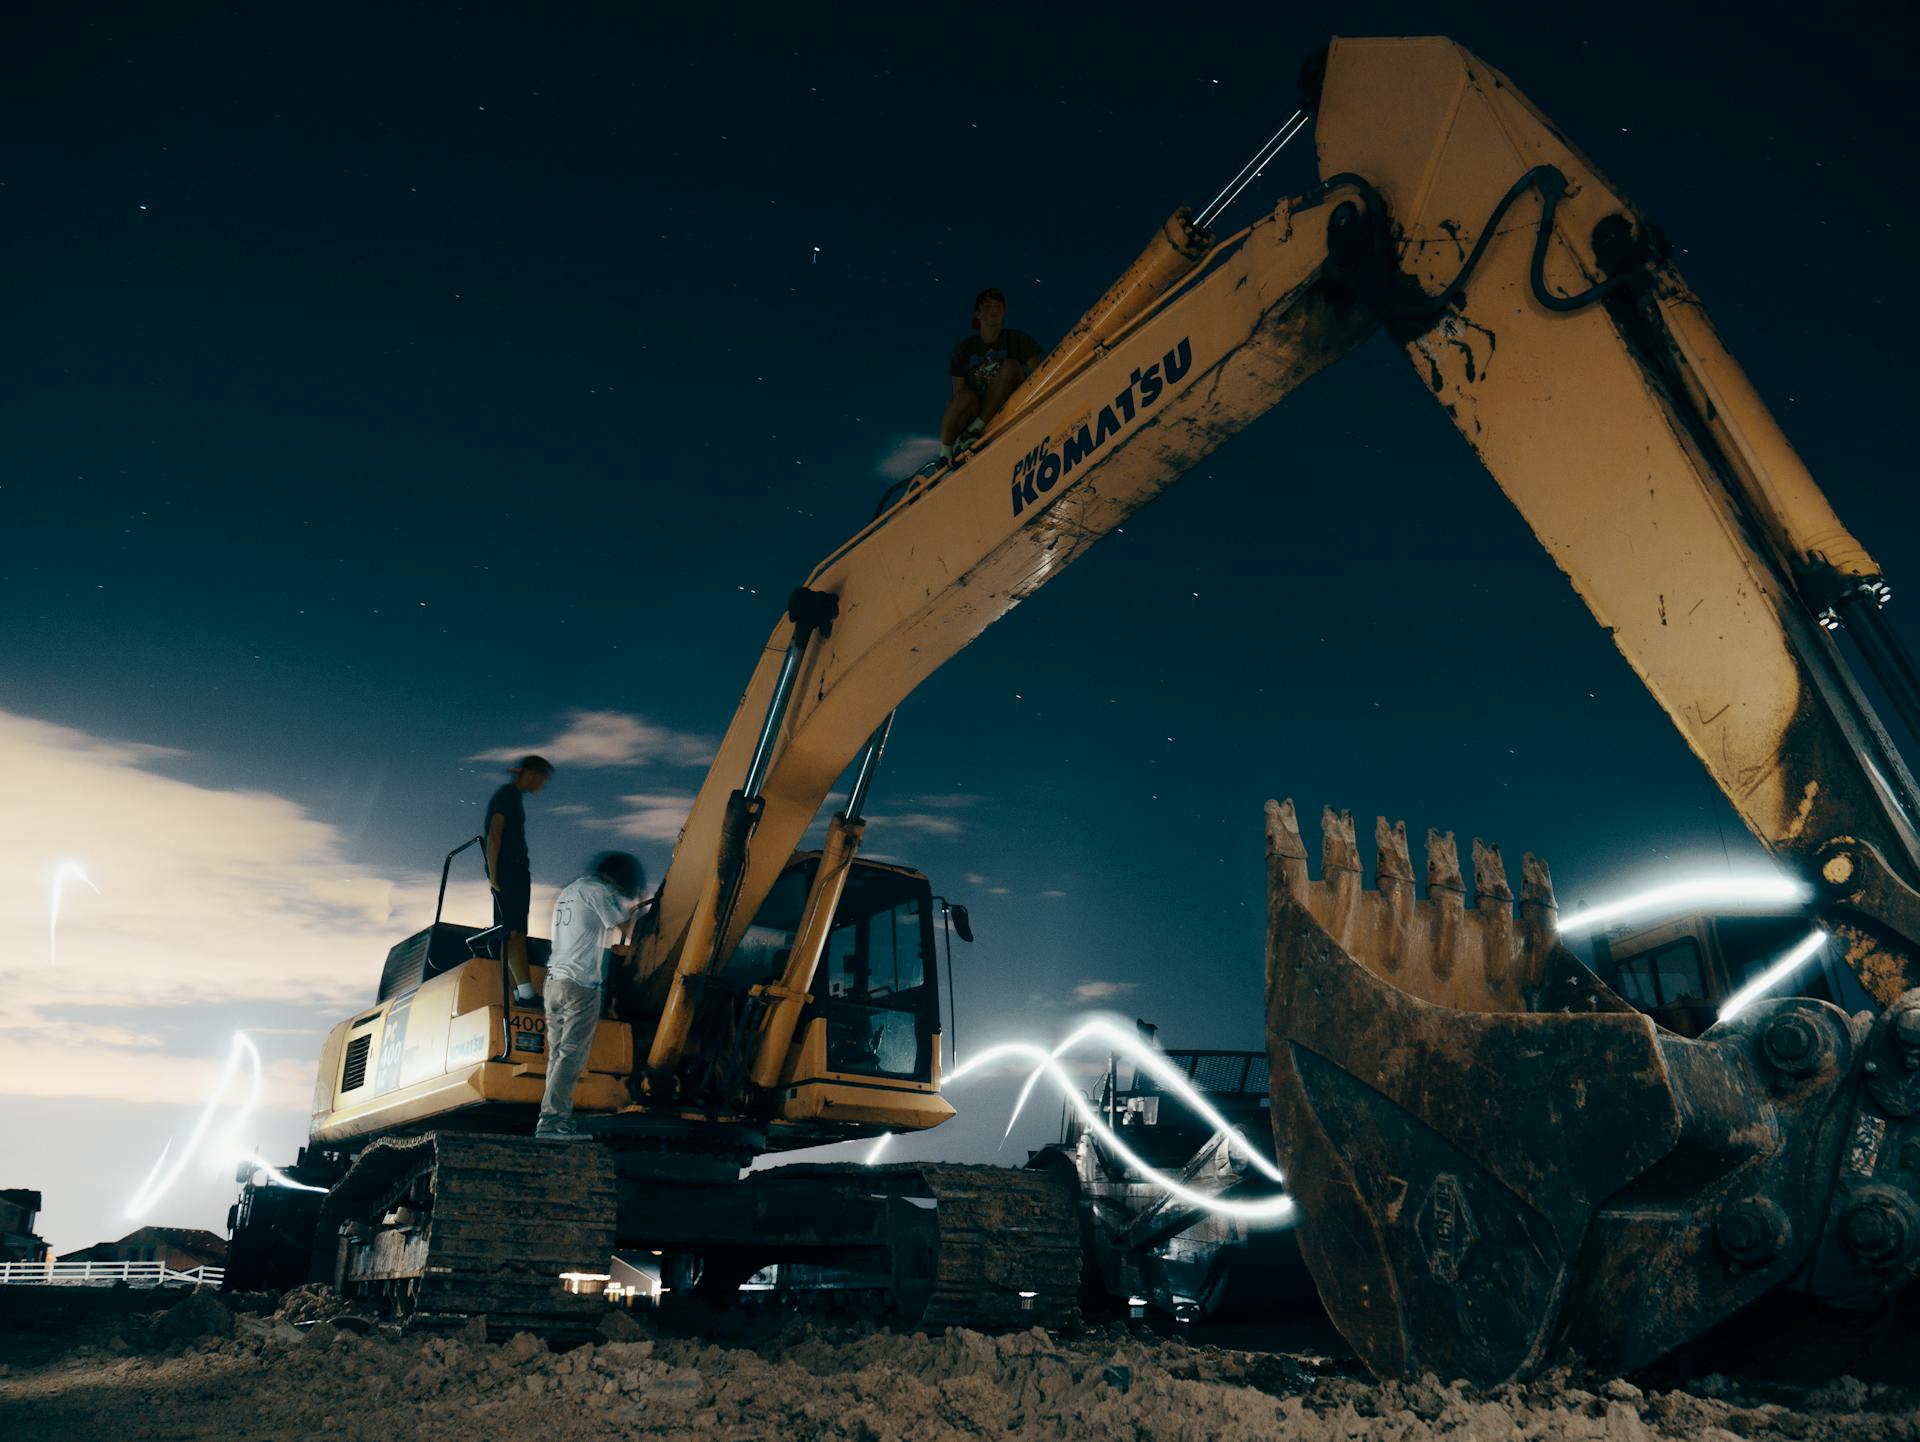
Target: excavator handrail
{"x": 446, "y": 867}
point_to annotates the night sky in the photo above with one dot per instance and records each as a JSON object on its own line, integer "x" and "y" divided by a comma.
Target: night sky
{"x": 389, "y": 388}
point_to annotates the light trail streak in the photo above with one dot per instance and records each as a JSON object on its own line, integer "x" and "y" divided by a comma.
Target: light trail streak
{"x": 1786, "y": 966}
{"x": 1700, "y": 893}
{"x": 880, "y": 1144}
{"x": 1171, "y": 1079}
{"x": 275, "y": 1175}
{"x": 63, "y": 873}
{"x": 1268, "y": 1209}
{"x": 161, "y": 1179}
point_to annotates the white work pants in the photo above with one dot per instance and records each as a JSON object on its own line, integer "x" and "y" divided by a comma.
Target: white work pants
{"x": 572, "y": 1014}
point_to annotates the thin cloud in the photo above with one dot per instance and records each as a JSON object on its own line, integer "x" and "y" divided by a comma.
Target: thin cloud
{"x": 196, "y": 887}
{"x": 594, "y": 739}
{"x": 907, "y": 455}
{"x": 923, "y": 823}
{"x": 216, "y": 910}
{"x": 1053, "y": 893}
{"x": 235, "y": 899}
{"x": 49, "y": 1069}
{"x": 650, "y": 816}
{"x": 572, "y": 809}
{"x": 1103, "y": 990}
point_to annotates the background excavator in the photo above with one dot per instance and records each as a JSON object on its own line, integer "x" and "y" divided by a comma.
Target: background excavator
{"x": 1494, "y": 1156}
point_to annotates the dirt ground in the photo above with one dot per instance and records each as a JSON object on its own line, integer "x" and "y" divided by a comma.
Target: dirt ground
{"x": 266, "y": 1368}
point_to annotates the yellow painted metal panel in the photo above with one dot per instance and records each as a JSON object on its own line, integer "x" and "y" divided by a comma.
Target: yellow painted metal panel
{"x": 902, "y": 1110}
{"x": 1667, "y": 545}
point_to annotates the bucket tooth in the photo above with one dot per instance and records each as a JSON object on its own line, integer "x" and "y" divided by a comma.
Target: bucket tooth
{"x": 1489, "y": 876}
{"x": 1493, "y": 901}
{"x": 1443, "y": 864}
{"x": 1339, "y": 871}
{"x": 1395, "y": 865}
{"x": 1536, "y": 883}
{"x": 1446, "y": 900}
{"x": 1338, "y": 850}
{"x": 1393, "y": 875}
{"x": 1539, "y": 916}
{"x": 1539, "y": 911}
{"x": 1286, "y": 851}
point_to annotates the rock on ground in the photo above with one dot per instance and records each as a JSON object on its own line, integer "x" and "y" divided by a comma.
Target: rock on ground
{"x": 183, "y": 1375}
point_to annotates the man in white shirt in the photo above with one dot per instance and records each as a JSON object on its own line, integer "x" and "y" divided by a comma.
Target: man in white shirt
{"x": 589, "y": 914}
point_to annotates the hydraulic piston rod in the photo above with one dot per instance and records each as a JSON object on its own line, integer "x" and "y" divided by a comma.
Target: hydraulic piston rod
{"x": 811, "y": 612}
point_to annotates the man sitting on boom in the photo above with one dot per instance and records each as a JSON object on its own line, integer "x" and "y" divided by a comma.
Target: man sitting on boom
{"x": 985, "y": 369}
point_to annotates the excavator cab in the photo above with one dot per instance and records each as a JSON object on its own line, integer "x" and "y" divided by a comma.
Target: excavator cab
{"x": 1680, "y": 971}
{"x": 876, "y": 1001}
{"x": 876, "y": 988}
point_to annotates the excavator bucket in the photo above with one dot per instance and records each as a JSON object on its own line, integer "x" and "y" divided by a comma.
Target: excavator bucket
{"x": 1498, "y": 1161}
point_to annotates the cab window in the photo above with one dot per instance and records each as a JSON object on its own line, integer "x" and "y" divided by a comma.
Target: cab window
{"x": 877, "y": 957}
{"x": 1665, "y": 975}
{"x": 877, "y": 997}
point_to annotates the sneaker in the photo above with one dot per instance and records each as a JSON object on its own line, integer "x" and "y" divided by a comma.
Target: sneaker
{"x": 566, "y": 1133}
{"x": 934, "y": 467}
{"x": 526, "y": 998}
{"x": 976, "y": 429}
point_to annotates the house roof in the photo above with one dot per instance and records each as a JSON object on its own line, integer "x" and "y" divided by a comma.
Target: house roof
{"x": 185, "y": 1239}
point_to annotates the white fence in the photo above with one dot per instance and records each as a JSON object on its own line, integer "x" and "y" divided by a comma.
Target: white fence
{"x": 105, "y": 1274}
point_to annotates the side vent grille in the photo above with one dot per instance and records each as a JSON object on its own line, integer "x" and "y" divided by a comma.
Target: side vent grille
{"x": 355, "y": 1073}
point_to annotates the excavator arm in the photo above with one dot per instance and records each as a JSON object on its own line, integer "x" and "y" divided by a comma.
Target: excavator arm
{"x": 1496, "y": 1160}
{"x": 1494, "y": 1156}
{"x": 1543, "y": 312}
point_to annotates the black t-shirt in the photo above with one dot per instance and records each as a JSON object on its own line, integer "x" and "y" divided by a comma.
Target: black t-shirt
{"x": 974, "y": 361}
{"x": 508, "y": 802}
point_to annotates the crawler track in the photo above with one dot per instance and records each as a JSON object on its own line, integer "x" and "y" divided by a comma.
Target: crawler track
{"x": 1002, "y": 1233}
{"x": 447, "y": 1226}
{"x": 438, "y": 1228}
{"x": 987, "y": 1247}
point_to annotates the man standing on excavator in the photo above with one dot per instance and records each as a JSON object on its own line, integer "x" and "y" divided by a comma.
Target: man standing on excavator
{"x": 584, "y": 917}
{"x": 510, "y": 872}
{"x": 985, "y": 369}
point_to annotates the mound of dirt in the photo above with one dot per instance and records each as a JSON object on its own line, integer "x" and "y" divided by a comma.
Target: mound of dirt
{"x": 272, "y": 1379}
{"x": 202, "y": 1314}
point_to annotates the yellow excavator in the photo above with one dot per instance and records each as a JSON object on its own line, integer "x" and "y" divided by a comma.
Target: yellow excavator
{"x": 1494, "y": 1155}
